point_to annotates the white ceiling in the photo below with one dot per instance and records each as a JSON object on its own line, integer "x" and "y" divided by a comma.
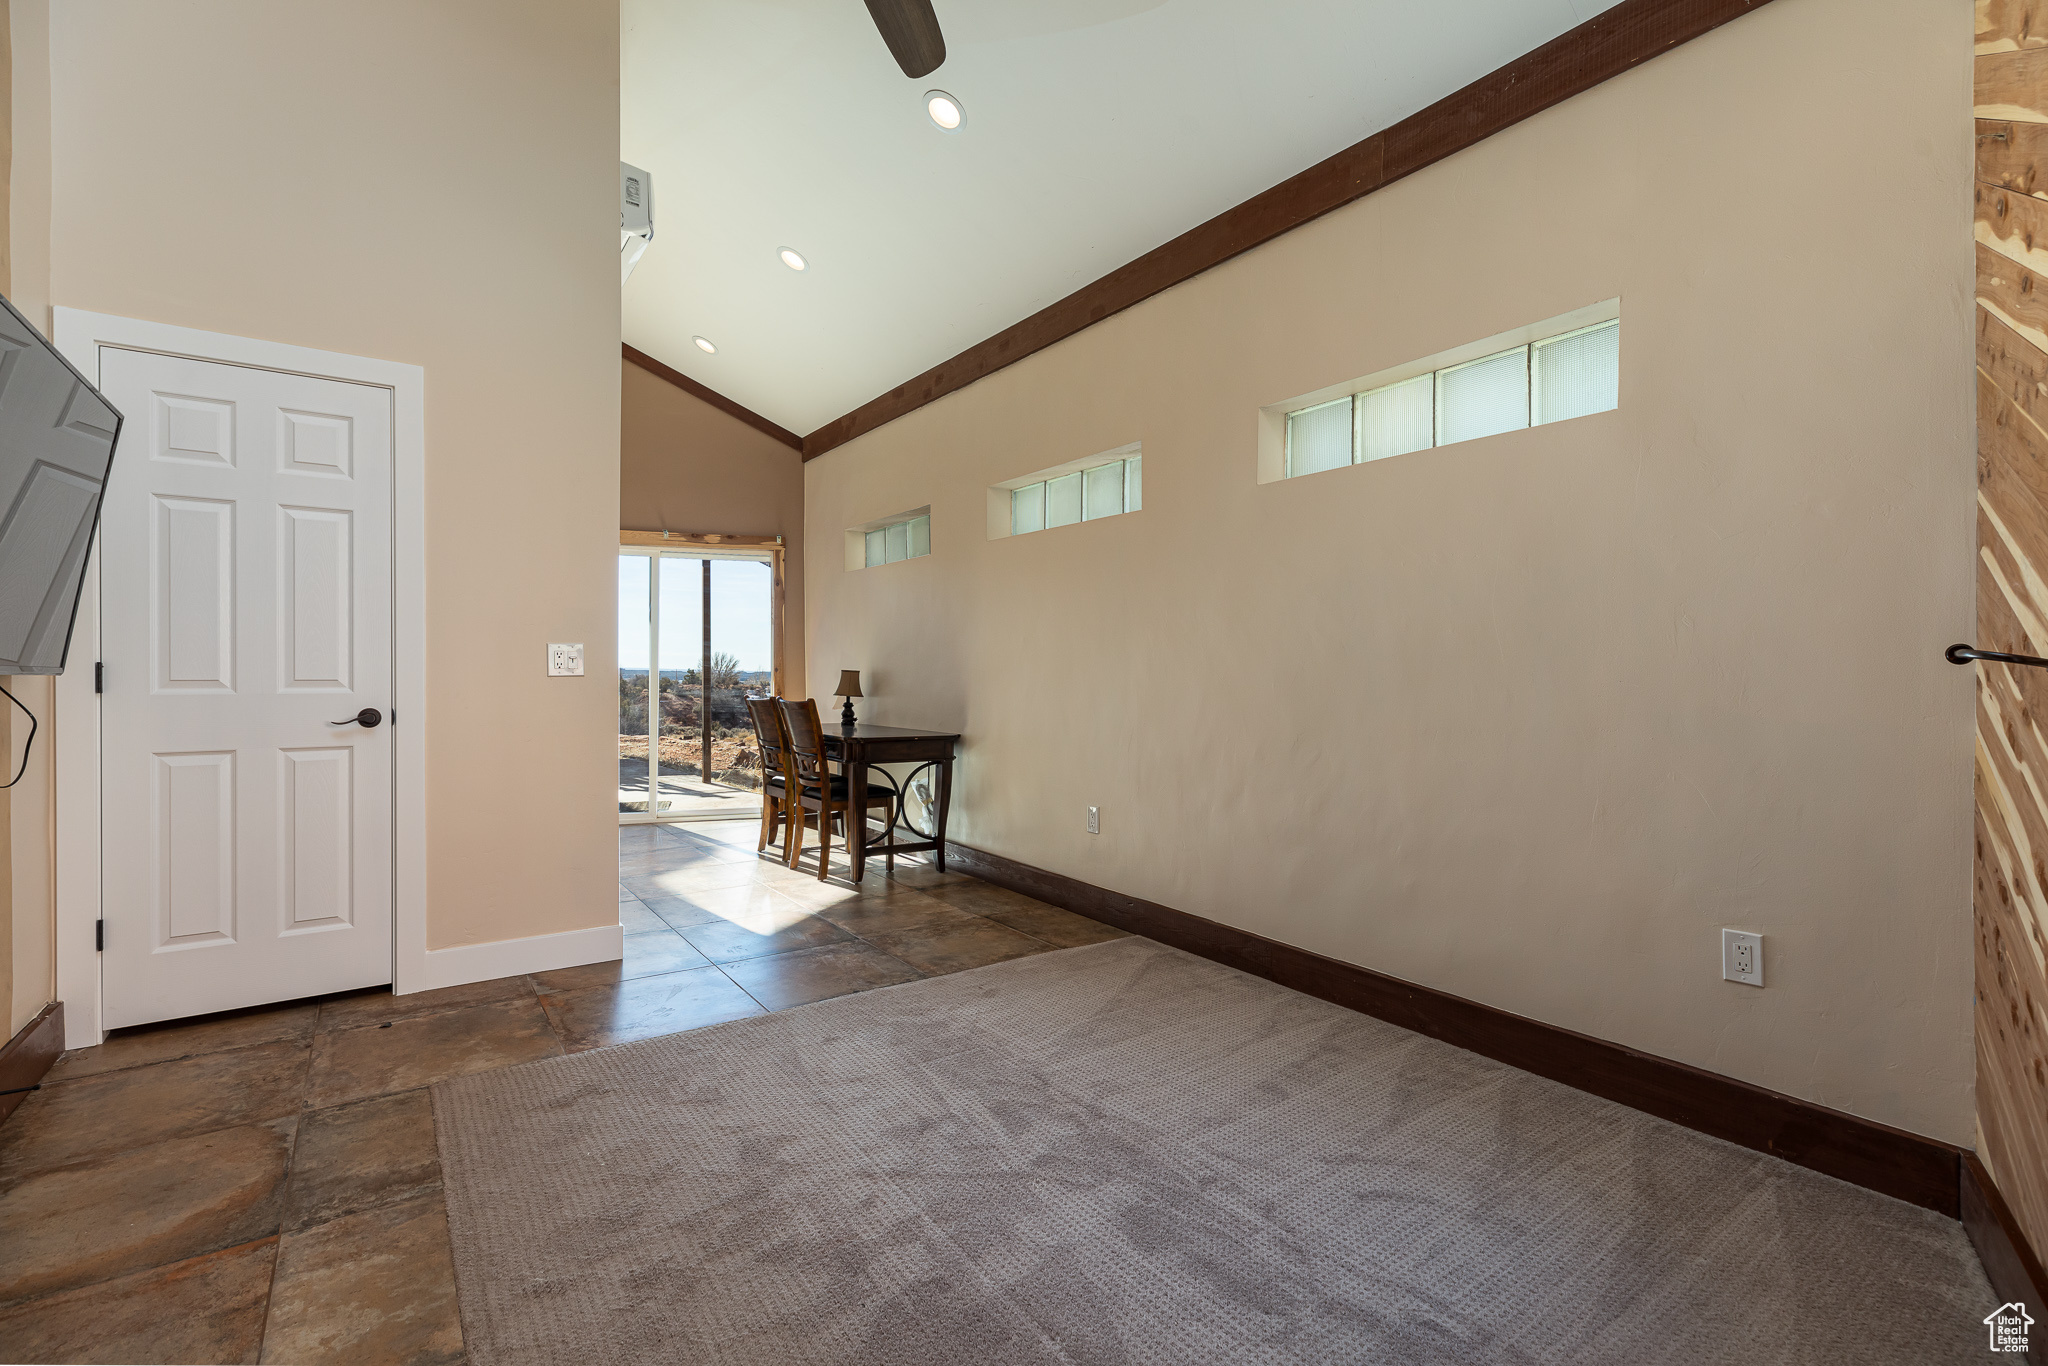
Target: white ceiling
{"x": 1096, "y": 130}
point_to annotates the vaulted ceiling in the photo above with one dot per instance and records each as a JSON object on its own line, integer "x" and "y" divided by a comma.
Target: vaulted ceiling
{"x": 1095, "y": 130}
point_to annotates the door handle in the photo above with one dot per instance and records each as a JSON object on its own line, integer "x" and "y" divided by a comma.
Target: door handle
{"x": 1963, "y": 654}
{"x": 369, "y": 718}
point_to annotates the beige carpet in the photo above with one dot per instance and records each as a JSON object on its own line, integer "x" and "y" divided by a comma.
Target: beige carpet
{"x": 1121, "y": 1154}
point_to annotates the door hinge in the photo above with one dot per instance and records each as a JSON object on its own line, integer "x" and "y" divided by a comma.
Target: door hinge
{"x": 99, "y": 936}
{"x": 99, "y": 677}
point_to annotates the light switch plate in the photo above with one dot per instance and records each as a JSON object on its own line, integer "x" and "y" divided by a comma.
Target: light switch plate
{"x": 565, "y": 661}
{"x": 1742, "y": 957}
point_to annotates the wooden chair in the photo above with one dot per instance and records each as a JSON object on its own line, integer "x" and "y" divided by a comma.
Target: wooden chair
{"x": 812, "y": 786}
{"x": 770, "y": 736}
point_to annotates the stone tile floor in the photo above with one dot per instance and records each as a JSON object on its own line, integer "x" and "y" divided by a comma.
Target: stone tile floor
{"x": 264, "y": 1186}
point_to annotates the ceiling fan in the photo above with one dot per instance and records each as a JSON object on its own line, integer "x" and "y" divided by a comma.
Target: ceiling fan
{"x": 912, "y": 32}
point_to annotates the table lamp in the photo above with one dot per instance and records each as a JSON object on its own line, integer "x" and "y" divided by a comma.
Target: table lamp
{"x": 849, "y": 688}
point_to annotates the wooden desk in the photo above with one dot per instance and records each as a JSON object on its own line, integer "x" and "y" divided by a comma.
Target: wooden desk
{"x": 857, "y": 747}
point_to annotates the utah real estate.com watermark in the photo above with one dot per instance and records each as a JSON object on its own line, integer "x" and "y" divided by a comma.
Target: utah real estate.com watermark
{"x": 2008, "y": 1324}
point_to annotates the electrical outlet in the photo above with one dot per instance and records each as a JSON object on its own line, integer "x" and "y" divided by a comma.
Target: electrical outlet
{"x": 1094, "y": 820}
{"x": 565, "y": 661}
{"x": 1742, "y": 957}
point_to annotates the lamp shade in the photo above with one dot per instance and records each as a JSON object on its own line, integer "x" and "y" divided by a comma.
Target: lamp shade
{"x": 849, "y": 684}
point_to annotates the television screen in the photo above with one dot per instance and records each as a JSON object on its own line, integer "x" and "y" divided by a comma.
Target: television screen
{"x": 56, "y": 441}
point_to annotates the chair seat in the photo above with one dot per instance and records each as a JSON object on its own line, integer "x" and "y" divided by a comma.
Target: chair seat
{"x": 876, "y": 792}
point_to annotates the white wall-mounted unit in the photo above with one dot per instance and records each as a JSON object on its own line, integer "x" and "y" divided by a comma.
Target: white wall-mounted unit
{"x": 636, "y": 217}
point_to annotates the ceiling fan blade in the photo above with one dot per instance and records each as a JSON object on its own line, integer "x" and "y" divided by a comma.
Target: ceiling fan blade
{"x": 912, "y": 32}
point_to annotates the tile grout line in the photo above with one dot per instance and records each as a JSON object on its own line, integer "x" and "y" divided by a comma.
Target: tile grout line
{"x": 41, "y": 1296}
{"x": 766, "y": 1009}
{"x": 108, "y": 1154}
{"x": 291, "y": 1162}
{"x": 161, "y": 1062}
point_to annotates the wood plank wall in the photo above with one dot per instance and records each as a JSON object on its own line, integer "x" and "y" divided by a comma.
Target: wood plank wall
{"x": 2011, "y": 895}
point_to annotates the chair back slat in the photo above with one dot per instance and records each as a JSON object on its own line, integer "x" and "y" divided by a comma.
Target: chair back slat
{"x": 806, "y": 738}
{"x": 767, "y": 718}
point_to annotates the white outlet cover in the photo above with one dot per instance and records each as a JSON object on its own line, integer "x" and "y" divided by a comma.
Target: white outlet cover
{"x": 1742, "y": 957}
{"x": 565, "y": 661}
{"x": 1094, "y": 820}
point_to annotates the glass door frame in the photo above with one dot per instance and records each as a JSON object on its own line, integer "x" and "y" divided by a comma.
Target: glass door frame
{"x": 694, "y": 545}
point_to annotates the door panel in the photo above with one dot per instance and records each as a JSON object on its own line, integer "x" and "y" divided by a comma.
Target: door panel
{"x": 314, "y": 838}
{"x": 193, "y": 431}
{"x": 636, "y": 686}
{"x": 679, "y": 786}
{"x": 193, "y": 627}
{"x": 194, "y": 872}
{"x": 742, "y": 663}
{"x": 317, "y": 593}
{"x": 245, "y": 607}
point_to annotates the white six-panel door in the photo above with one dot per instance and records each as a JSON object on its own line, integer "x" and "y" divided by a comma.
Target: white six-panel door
{"x": 245, "y": 599}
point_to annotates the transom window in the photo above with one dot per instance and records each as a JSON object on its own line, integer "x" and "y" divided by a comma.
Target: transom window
{"x": 1574, "y": 372}
{"x": 1106, "y": 485}
{"x": 889, "y": 540}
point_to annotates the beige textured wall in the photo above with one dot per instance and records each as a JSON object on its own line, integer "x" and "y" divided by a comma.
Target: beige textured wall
{"x": 1527, "y": 719}
{"x": 686, "y": 466}
{"x": 430, "y": 183}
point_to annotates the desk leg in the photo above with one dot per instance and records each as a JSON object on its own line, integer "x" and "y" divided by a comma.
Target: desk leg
{"x": 856, "y": 767}
{"x": 945, "y": 804}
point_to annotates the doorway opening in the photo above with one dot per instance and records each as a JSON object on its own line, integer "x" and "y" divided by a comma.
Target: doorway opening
{"x": 699, "y": 633}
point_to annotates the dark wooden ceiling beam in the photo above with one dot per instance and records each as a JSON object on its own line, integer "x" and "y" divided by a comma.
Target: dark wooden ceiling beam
{"x": 711, "y": 396}
{"x": 1603, "y": 47}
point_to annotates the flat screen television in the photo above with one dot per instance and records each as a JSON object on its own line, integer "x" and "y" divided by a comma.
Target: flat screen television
{"x": 57, "y": 438}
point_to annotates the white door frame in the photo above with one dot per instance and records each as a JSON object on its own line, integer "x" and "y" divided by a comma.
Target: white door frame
{"x": 80, "y": 336}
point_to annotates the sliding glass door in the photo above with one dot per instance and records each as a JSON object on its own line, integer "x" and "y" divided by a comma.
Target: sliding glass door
{"x": 696, "y": 638}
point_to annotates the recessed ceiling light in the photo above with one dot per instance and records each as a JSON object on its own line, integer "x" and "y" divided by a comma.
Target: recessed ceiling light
{"x": 945, "y": 111}
{"x": 705, "y": 346}
{"x": 794, "y": 259}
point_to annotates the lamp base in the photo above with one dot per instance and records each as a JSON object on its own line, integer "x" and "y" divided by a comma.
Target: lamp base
{"x": 846, "y": 717}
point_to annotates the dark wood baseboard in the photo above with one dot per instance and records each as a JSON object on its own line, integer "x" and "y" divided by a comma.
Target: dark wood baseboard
{"x": 2009, "y": 1260}
{"x": 30, "y": 1054}
{"x": 1904, "y": 1165}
